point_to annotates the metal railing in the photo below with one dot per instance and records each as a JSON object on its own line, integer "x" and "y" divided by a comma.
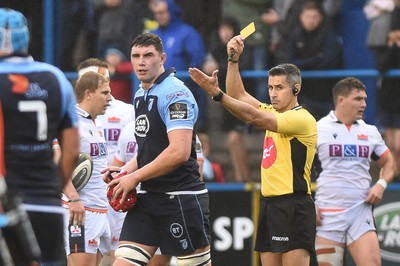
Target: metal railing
{"x": 367, "y": 75}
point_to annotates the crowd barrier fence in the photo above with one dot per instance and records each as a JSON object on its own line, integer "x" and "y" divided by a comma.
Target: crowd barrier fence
{"x": 368, "y": 76}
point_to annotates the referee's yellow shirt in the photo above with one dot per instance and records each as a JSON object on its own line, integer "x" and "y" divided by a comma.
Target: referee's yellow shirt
{"x": 288, "y": 154}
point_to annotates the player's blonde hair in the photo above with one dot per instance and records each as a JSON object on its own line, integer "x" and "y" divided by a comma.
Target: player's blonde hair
{"x": 89, "y": 81}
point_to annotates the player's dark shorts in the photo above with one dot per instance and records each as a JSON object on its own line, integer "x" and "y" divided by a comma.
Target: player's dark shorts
{"x": 49, "y": 232}
{"x": 178, "y": 224}
{"x": 286, "y": 223}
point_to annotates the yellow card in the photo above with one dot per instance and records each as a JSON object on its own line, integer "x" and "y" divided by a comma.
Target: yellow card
{"x": 248, "y": 30}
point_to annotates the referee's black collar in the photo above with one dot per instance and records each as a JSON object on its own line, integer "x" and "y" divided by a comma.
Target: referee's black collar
{"x": 298, "y": 107}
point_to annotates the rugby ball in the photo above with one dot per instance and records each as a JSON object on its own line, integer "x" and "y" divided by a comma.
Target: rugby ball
{"x": 129, "y": 202}
{"x": 82, "y": 172}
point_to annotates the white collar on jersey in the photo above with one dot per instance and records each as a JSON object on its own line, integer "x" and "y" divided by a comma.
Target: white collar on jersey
{"x": 332, "y": 116}
{"x": 82, "y": 112}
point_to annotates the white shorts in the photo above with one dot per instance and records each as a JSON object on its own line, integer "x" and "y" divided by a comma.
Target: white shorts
{"x": 96, "y": 234}
{"x": 116, "y": 219}
{"x": 346, "y": 225}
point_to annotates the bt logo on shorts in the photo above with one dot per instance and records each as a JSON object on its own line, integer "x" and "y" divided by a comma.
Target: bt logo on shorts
{"x": 347, "y": 150}
{"x": 176, "y": 230}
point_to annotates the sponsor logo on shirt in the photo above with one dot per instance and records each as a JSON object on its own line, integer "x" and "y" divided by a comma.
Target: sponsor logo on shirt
{"x": 36, "y": 92}
{"x": 98, "y": 149}
{"x": 362, "y": 137}
{"x": 114, "y": 119}
{"x": 178, "y": 94}
{"x": 131, "y": 147}
{"x": 269, "y": 153}
{"x": 112, "y": 134}
{"x": 348, "y": 150}
{"x": 142, "y": 125}
{"x": 151, "y": 101}
{"x": 178, "y": 111}
{"x": 20, "y": 83}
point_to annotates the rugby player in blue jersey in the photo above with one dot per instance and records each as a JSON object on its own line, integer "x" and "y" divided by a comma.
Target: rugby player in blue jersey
{"x": 37, "y": 103}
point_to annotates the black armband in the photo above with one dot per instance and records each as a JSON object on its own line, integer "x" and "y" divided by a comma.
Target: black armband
{"x": 219, "y": 96}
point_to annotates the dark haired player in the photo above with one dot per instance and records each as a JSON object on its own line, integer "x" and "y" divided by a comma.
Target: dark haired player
{"x": 172, "y": 208}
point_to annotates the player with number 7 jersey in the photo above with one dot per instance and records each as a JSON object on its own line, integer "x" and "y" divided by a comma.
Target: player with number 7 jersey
{"x": 37, "y": 103}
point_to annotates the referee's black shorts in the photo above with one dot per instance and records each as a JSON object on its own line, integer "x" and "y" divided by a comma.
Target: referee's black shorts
{"x": 286, "y": 223}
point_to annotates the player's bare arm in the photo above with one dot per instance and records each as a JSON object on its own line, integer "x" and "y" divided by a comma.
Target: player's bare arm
{"x": 242, "y": 110}
{"x": 75, "y": 206}
{"x": 69, "y": 142}
{"x": 113, "y": 169}
{"x": 386, "y": 163}
{"x": 171, "y": 158}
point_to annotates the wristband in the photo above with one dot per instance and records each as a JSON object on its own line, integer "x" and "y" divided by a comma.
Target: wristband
{"x": 230, "y": 59}
{"x": 219, "y": 96}
{"x": 74, "y": 200}
{"x": 382, "y": 182}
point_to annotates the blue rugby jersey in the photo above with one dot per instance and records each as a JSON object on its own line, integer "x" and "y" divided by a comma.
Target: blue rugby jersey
{"x": 38, "y": 103}
{"x": 167, "y": 106}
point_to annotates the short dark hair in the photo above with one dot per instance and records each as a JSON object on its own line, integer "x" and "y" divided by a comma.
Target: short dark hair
{"x": 292, "y": 73}
{"x": 313, "y": 5}
{"x": 345, "y": 86}
{"x": 232, "y": 23}
{"x": 148, "y": 39}
{"x": 92, "y": 62}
